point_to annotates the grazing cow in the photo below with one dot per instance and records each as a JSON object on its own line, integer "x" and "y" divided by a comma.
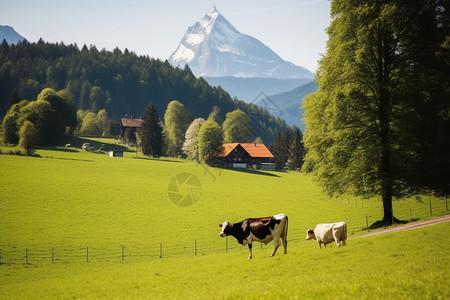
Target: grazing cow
{"x": 259, "y": 229}
{"x": 327, "y": 233}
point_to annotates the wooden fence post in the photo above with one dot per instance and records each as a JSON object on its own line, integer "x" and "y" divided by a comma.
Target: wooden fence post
{"x": 431, "y": 211}
{"x": 160, "y": 250}
{"x": 367, "y": 223}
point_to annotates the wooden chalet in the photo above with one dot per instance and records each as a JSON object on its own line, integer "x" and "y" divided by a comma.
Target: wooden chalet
{"x": 243, "y": 155}
{"x": 129, "y": 128}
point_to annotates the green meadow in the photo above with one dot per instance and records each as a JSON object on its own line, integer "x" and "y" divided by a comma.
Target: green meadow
{"x": 80, "y": 224}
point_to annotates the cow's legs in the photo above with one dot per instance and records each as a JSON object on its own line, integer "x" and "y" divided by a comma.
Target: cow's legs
{"x": 276, "y": 244}
{"x": 284, "y": 241}
{"x": 284, "y": 238}
{"x": 338, "y": 241}
{"x": 250, "y": 251}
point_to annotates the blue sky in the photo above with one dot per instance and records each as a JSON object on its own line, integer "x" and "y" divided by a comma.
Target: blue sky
{"x": 294, "y": 29}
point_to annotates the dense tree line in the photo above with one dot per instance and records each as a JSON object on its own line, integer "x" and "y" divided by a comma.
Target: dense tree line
{"x": 202, "y": 140}
{"x": 288, "y": 149}
{"x": 118, "y": 81}
{"x": 99, "y": 124}
{"x": 45, "y": 120}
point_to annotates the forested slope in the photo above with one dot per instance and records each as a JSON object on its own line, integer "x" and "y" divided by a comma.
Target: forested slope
{"x": 120, "y": 82}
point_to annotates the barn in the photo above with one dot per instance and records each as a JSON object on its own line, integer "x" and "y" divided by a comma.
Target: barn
{"x": 129, "y": 128}
{"x": 243, "y": 155}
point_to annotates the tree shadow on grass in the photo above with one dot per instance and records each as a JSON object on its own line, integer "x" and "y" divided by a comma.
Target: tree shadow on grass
{"x": 158, "y": 159}
{"x": 75, "y": 159}
{"x": 383, "y": 223}
{"x": 255, "y": 172}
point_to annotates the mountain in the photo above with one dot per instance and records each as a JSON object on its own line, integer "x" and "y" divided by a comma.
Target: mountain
{"x": 248, "y": 89}
{"x": 10, "y": 35}
{"x": 213, "y": 47}
{"x": 289, "y": 103}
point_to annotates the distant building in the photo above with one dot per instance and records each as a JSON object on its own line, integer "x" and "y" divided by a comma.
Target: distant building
{"x": 242, "y": 155}
{"x": 129, "y": 128}
{"x": 115, "y": 153}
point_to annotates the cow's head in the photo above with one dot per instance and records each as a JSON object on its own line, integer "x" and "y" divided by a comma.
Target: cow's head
{"x": 310, "y": 234}
{"x": 226, "y": 228}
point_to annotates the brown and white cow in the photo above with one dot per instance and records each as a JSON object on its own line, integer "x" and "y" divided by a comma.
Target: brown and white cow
{"x": 327, "y": 233}
{"x": 261, "y": 230}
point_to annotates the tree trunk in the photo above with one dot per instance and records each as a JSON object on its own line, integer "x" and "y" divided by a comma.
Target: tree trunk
{"x": 386, "y": 176}
{"x": 385, "y": 118}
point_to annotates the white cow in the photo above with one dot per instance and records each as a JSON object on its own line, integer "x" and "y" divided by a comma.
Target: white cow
{"x": 327, "y": 233}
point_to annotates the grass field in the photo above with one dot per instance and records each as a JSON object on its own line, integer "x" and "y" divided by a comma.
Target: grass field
{"x": 88, "y": 206}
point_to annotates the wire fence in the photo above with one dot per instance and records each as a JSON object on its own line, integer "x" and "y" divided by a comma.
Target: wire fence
{"x": 369, "y": 212}
{"x": 122, "y": 253}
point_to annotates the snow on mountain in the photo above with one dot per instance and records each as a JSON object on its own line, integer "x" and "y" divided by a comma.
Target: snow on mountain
{"x": 213, "y": 47}
{"x": 9, "y": 34}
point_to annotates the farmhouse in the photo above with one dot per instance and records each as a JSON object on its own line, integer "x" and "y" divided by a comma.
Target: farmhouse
{"x": 242, "y": 155}
{"x": 129, "y": 128}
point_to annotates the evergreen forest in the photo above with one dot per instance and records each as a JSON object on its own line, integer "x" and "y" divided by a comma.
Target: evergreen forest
{"x": 120, "y": 82}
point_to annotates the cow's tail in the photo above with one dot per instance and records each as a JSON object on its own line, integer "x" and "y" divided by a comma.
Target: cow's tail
{"x": 345, "y": 231}
{"x": 286, "y": 227}
{"x": 285, "y": 230}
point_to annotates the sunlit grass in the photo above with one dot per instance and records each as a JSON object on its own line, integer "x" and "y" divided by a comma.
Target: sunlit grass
{"x": 71, "y": 200}
{"x": 405, "y": 265}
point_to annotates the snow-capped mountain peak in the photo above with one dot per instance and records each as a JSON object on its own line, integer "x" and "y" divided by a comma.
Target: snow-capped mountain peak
{"x": 213, "y": 47}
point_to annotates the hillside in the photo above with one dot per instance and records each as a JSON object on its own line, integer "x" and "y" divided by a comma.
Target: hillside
{"x": 290, "y": 103}
{"x": 248, "y": 89}
{"x": 120, "y": 82}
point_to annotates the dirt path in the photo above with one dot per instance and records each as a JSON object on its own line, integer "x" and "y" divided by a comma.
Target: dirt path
{"x": 409, "y": 226}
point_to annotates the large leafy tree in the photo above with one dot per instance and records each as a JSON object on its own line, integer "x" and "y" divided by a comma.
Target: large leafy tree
{"x": 365, "y": 124}
{"x": 210, "y": 140}
{"x": 150, "y": 134}
{"x": 236, "y": 127}
{"x": 65, "y": 118}
{"x": 90, "y": 125}
{"x": 190, "y": 145}
{"x": 176, "y": 122}
{"x": 28, "y": 137}
{"x": 9, "y": 132}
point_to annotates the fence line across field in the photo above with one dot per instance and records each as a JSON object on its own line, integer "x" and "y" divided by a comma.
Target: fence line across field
{"x": 121, "y": 253}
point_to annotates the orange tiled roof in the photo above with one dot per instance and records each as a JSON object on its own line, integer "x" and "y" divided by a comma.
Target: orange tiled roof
{"x": 257, "y": 149}
{"x": 253, "y": 149}
{"x": 227, "y": 148}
